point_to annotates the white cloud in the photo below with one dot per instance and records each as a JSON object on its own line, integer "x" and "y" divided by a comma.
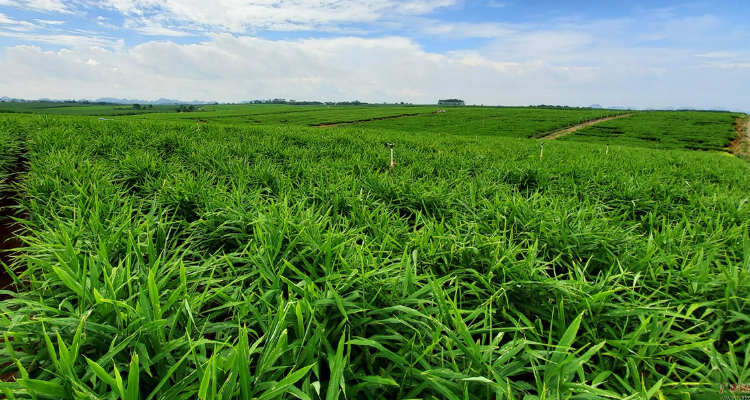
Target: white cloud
{"x": 37, "y": 5}
{"x": 49, "y": 22}
{"x": 229, "y": 68}
{"x": 150, "y": 29}
{"x": 240, "y": 16}
{"x": 464, "y": 30}
{"x": 720, "y": 54}
{"x": 644, "y": 59}
{"x": 15, "y": 25}
{"x": 64, "y": 39}
{"x": 497, "y": 4}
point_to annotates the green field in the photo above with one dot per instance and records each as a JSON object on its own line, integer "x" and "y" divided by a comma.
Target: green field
{"x": 485, "y": 121}
{"x": 264, "y": 258}
{"x": 684, "y": 129}
{"x": 58, "y": 108}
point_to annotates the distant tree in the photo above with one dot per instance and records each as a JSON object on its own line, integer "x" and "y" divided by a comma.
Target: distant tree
{"x": 451, "y": 102}
{"x": 136, "y": 106}
{"x": 185, "y": 108}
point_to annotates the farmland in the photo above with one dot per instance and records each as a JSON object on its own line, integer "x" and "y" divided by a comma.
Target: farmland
{"x": 262, "y": 258}
{"x": 58, "y": 108}
{"x": 462, "y": 121}
{"x": 684, "y": 129}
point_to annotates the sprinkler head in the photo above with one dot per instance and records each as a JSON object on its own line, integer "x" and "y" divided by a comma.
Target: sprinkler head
{"x": 389, "y": 144}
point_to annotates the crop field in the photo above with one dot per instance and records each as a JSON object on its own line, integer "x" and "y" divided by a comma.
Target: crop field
{"x": 278, "y": 114}
{"x": 484, "y": 121}
{"x": 57, "y": 108}
{"x": 666, "y": 130}
{"x": 275, "y": 260}
{"x": 504, "y": 122}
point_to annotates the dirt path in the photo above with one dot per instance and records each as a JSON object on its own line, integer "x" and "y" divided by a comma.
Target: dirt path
{"x": 9, "y": 240}
{"x": 8, "y": 226}
{"x": 741, "y": 146}
{"x": 563, "y": 132}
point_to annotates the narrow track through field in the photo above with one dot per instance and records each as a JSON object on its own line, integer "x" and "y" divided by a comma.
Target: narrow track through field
{"x": 741, "y": 146}
{"x": 9, "y": 228}
{"x": 563, "y": 132}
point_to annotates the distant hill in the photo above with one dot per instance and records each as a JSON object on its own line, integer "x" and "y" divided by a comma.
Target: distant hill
{"x": 161, "y": 101}
{"x": 112, "y": 100}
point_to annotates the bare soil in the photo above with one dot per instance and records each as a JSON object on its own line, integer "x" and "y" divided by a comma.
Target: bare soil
{"x": 563, "y": 132}
{"x": 741, "y": 146}
{"x": 9, "y": 241}
{"x": 9, "y": 228}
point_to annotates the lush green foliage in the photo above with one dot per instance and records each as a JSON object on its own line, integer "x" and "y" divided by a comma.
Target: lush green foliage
{"x": 665, "y": 130}
{"x": 273, "y": 262}
{"x": 11, "y": 141}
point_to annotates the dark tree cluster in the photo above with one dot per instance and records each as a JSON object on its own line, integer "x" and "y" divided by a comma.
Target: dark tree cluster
{"x": 451, "y": 102}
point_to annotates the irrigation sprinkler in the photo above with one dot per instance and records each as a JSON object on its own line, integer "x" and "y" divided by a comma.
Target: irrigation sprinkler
{"x": 607, "y": 153}
{"x": 393, "y": 163}
{"x": 541, "y": 154}
{"x": 198, "y": 124}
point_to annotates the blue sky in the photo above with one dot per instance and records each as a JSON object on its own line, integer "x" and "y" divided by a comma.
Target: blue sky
{"x": 654, "y": 54}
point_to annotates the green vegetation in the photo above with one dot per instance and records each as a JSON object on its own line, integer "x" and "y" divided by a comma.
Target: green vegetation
{"x": 275, "y": 114}
{"x": 11, "y": 140}
{"x": 480, "y": 121}
{"x": 665, "y": 130}
{"x": 463, "y": 121}
{"x": 286, "y": 262}
{"x": 75, "y": 108}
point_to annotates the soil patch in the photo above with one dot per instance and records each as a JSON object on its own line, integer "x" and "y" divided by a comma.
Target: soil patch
{"x": 9, "y": 228}
{"x": 563, "y": 132}
{"x": 741, "y": 146}
{"x": 9, "y": 241}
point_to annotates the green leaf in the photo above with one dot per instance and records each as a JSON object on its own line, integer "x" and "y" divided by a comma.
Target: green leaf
{"x": 133, "y": 390}
{"x": 103, "y": 375}
{"x": 52, "y": 389}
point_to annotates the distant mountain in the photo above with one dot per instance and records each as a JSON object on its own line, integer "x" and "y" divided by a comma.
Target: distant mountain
{"x": 622, "y": 108}
{"x": 595, "y": 106}
{"x": 721, "y": 109}
{"x": 161, "y": 101}
{"x": 117, "y": 101}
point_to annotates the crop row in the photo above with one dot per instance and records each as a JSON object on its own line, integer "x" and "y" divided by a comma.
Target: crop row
{"x": 273, "y": 262}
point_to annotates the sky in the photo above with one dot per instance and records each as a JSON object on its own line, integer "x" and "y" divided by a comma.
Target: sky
{"x": 643, "y": 54}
